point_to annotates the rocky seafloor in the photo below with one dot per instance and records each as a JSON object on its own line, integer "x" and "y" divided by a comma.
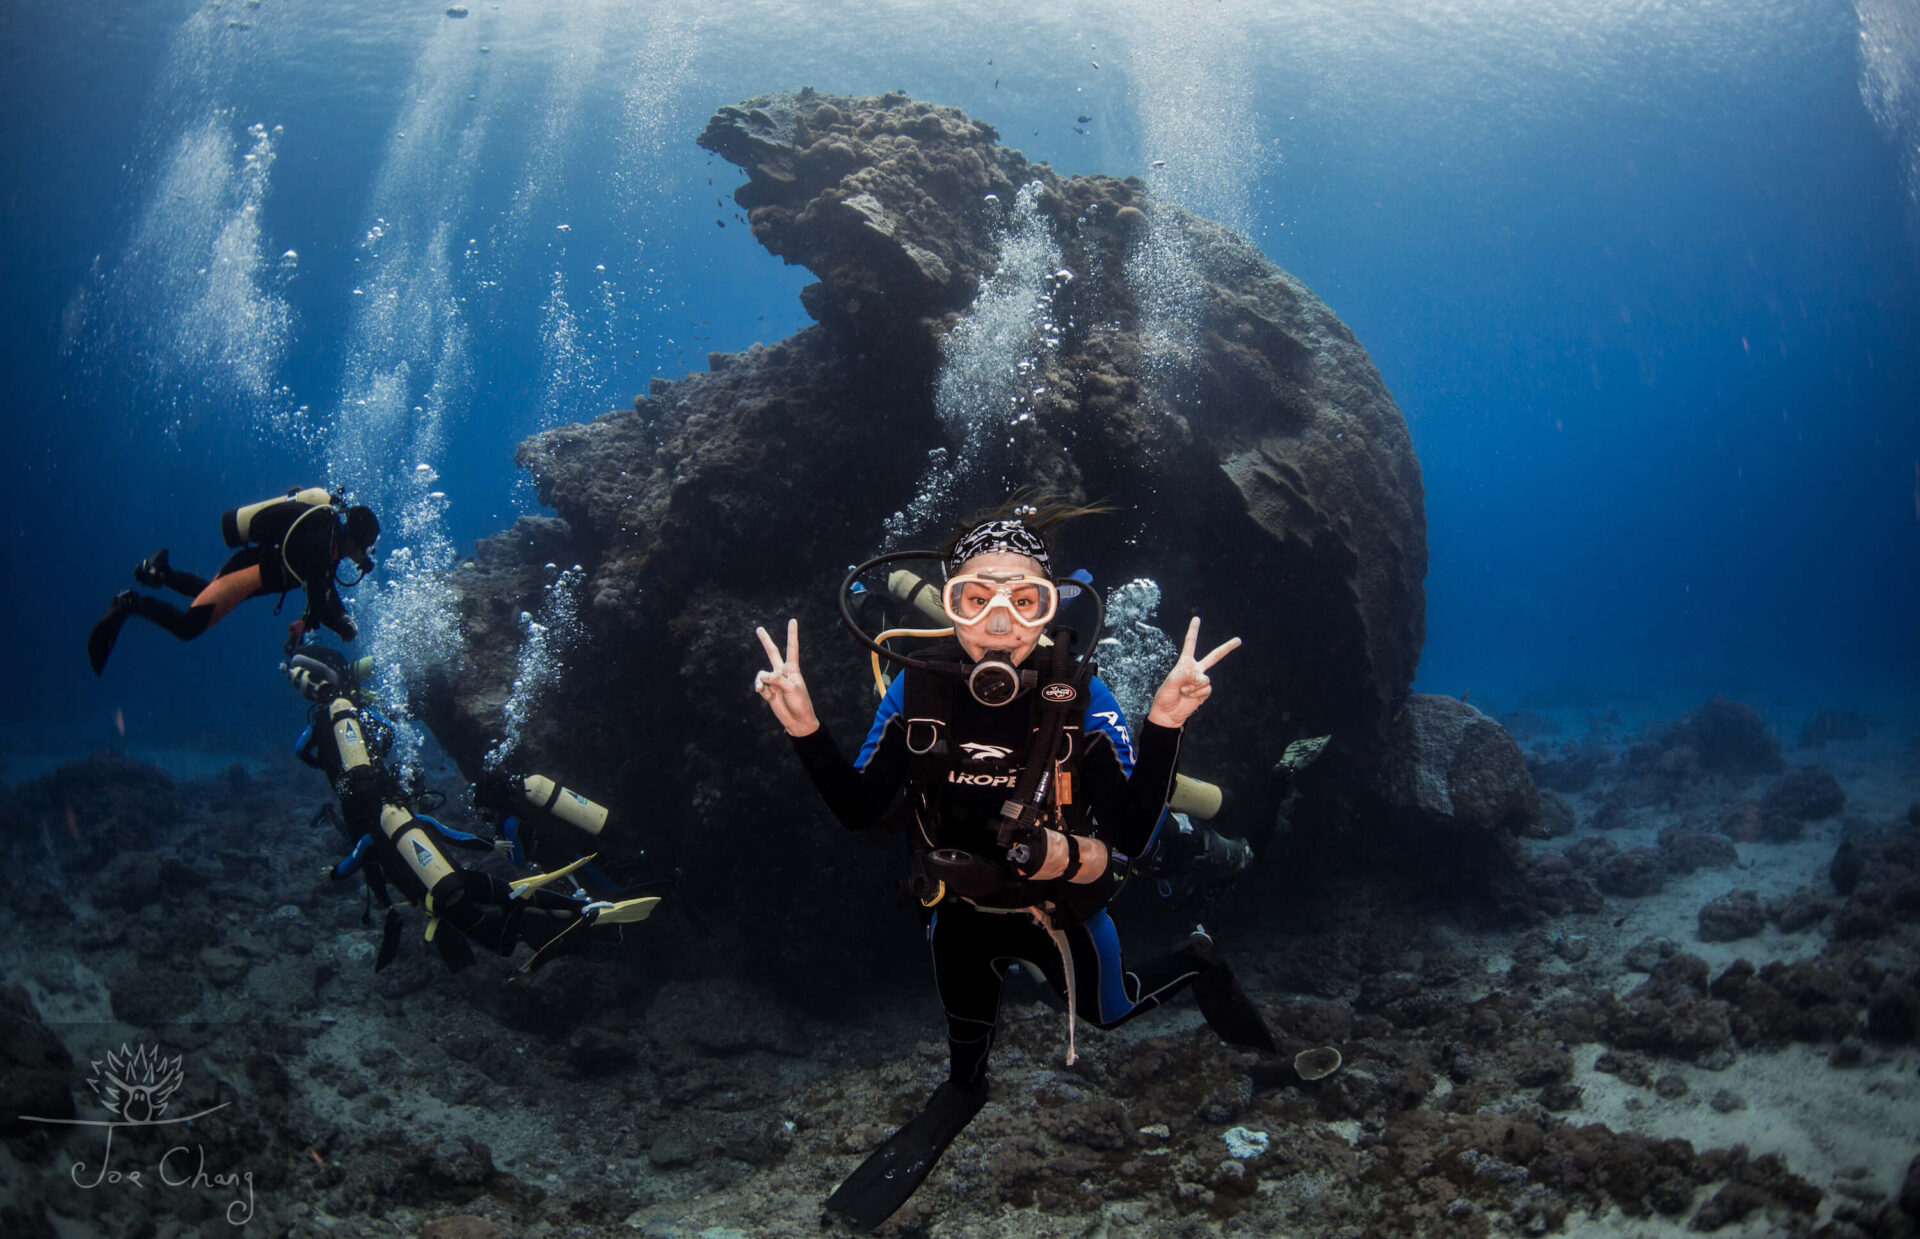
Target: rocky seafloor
{"x": 1691, "y": 1004}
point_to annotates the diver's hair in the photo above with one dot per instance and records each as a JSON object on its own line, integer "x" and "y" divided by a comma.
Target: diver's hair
{"x": 1040, "y": 510}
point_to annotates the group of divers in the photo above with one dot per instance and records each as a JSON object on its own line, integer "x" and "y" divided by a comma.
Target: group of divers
{"x": 1028, "y": 799}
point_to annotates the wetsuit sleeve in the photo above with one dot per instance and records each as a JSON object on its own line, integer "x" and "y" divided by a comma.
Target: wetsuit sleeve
{"x": 1127, "y": 777}
{"x": 859, "y": 795}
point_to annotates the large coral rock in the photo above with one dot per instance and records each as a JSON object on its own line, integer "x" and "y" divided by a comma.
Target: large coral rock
{"x": 1456, "y": 764}
{"x": 89, "y": 811}
{"x": 1803, "y": 794}
{"x": 1454, "y": 797}
{"x": 1262, "y": 459}
{"x": 1730, "y": 737}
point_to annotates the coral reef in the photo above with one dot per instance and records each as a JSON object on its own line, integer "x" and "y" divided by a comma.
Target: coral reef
{"x": 1801, "y": 795}
{"x": 1727, "y": 737}
{"x": 599, "y": 1096}
{"x": 1733, "y": 916}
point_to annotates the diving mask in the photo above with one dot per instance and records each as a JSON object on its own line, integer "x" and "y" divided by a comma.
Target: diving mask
{"x": 992, "y": 603}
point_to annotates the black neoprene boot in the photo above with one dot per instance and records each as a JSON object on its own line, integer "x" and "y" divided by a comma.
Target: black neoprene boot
{"x": 152, "y": 571}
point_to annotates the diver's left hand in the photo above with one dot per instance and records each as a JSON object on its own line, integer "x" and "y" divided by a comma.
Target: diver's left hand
{"x": 1187, "y": 685}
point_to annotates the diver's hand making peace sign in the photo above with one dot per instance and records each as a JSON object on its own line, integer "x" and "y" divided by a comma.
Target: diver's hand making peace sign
{"x": 1187, "y": 685}
{"x": 782, "y": 686}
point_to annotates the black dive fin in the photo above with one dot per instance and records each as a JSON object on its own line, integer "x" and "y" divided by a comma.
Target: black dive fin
{"x": 1228, "y": 1010}
{"x": 106, "y": 631}
{"x": 896, "y": 1169}
{"x": 453, "y": 948}
{"x": 389, "y": 940}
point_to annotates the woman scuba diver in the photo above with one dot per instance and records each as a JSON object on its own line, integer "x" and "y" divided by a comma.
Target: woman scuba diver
{"x": 1027, "y": 794}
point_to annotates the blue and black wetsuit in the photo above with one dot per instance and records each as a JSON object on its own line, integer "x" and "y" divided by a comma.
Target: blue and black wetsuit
{"x": 1119, "y": 786}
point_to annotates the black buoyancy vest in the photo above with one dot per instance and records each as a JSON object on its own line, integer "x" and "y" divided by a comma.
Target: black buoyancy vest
{"x": 936, "y": 763}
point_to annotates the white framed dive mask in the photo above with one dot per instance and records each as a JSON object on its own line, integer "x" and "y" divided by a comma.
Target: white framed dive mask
{"x": 996, "y": 603}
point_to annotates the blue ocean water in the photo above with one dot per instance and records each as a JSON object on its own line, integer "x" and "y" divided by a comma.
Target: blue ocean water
{"x": 1645, "y": 279}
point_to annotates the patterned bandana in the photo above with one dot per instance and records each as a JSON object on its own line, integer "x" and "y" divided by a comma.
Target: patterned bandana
{"x": 1000, "y": 536}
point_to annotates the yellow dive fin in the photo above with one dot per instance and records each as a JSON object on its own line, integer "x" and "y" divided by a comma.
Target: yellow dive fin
{"x": 624, "y": 912}
{"x": 522, "y": 887}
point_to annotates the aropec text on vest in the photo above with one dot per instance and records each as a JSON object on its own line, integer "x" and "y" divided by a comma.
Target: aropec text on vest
{"x": 981, "y": 779}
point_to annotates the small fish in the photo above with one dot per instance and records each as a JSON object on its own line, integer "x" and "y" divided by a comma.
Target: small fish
{"x": 1467, "y": 694}
{"x": 1085, "y": 120}
{"x": 315, "y": 1155}
{"x": 119, "y": 721}
{"x": 720, "y": 223}
{"x": 1078, "y": 129}
{"x": 73, "y": 823}
{"x": 1158, "y": 163}
{"x": 996, "y": 83}
{"x": 1094, "y": 63}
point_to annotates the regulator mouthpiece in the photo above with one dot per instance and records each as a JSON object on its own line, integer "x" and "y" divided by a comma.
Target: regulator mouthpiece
{"x": 994, "y": 680}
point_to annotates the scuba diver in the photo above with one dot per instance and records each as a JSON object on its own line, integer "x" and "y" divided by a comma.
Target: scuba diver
{"x": 398, "y": 848}
{"x": 543, "y": 825}
{"x": 295, "y": 540}
{"x": 1192, "y": 863}
{"x": 1027, "y": 795}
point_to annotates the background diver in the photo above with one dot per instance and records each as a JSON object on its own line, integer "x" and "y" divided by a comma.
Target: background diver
{"x": 1026, "y": 797}
{"x": 294, "y": 541}
{"x": 400, "y": 849}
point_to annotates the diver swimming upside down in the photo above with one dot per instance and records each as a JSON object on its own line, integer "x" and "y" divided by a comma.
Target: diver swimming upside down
{"x": 1027, "y": 797}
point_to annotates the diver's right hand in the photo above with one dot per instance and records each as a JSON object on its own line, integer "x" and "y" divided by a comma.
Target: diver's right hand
{"x": 782, "y": 685}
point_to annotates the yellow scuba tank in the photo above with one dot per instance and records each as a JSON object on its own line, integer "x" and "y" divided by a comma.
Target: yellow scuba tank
{"x": 1194, "y": 797}
{"x": 569, "y": 806}
{"x": 416, "y": 847}
{"x": 236, "y": 524}
{"x": 347, "y": 736}
{"x": 916, "y": 591}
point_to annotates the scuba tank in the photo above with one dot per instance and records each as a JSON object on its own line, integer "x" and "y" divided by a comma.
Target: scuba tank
{"x": 236, "y": 524}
